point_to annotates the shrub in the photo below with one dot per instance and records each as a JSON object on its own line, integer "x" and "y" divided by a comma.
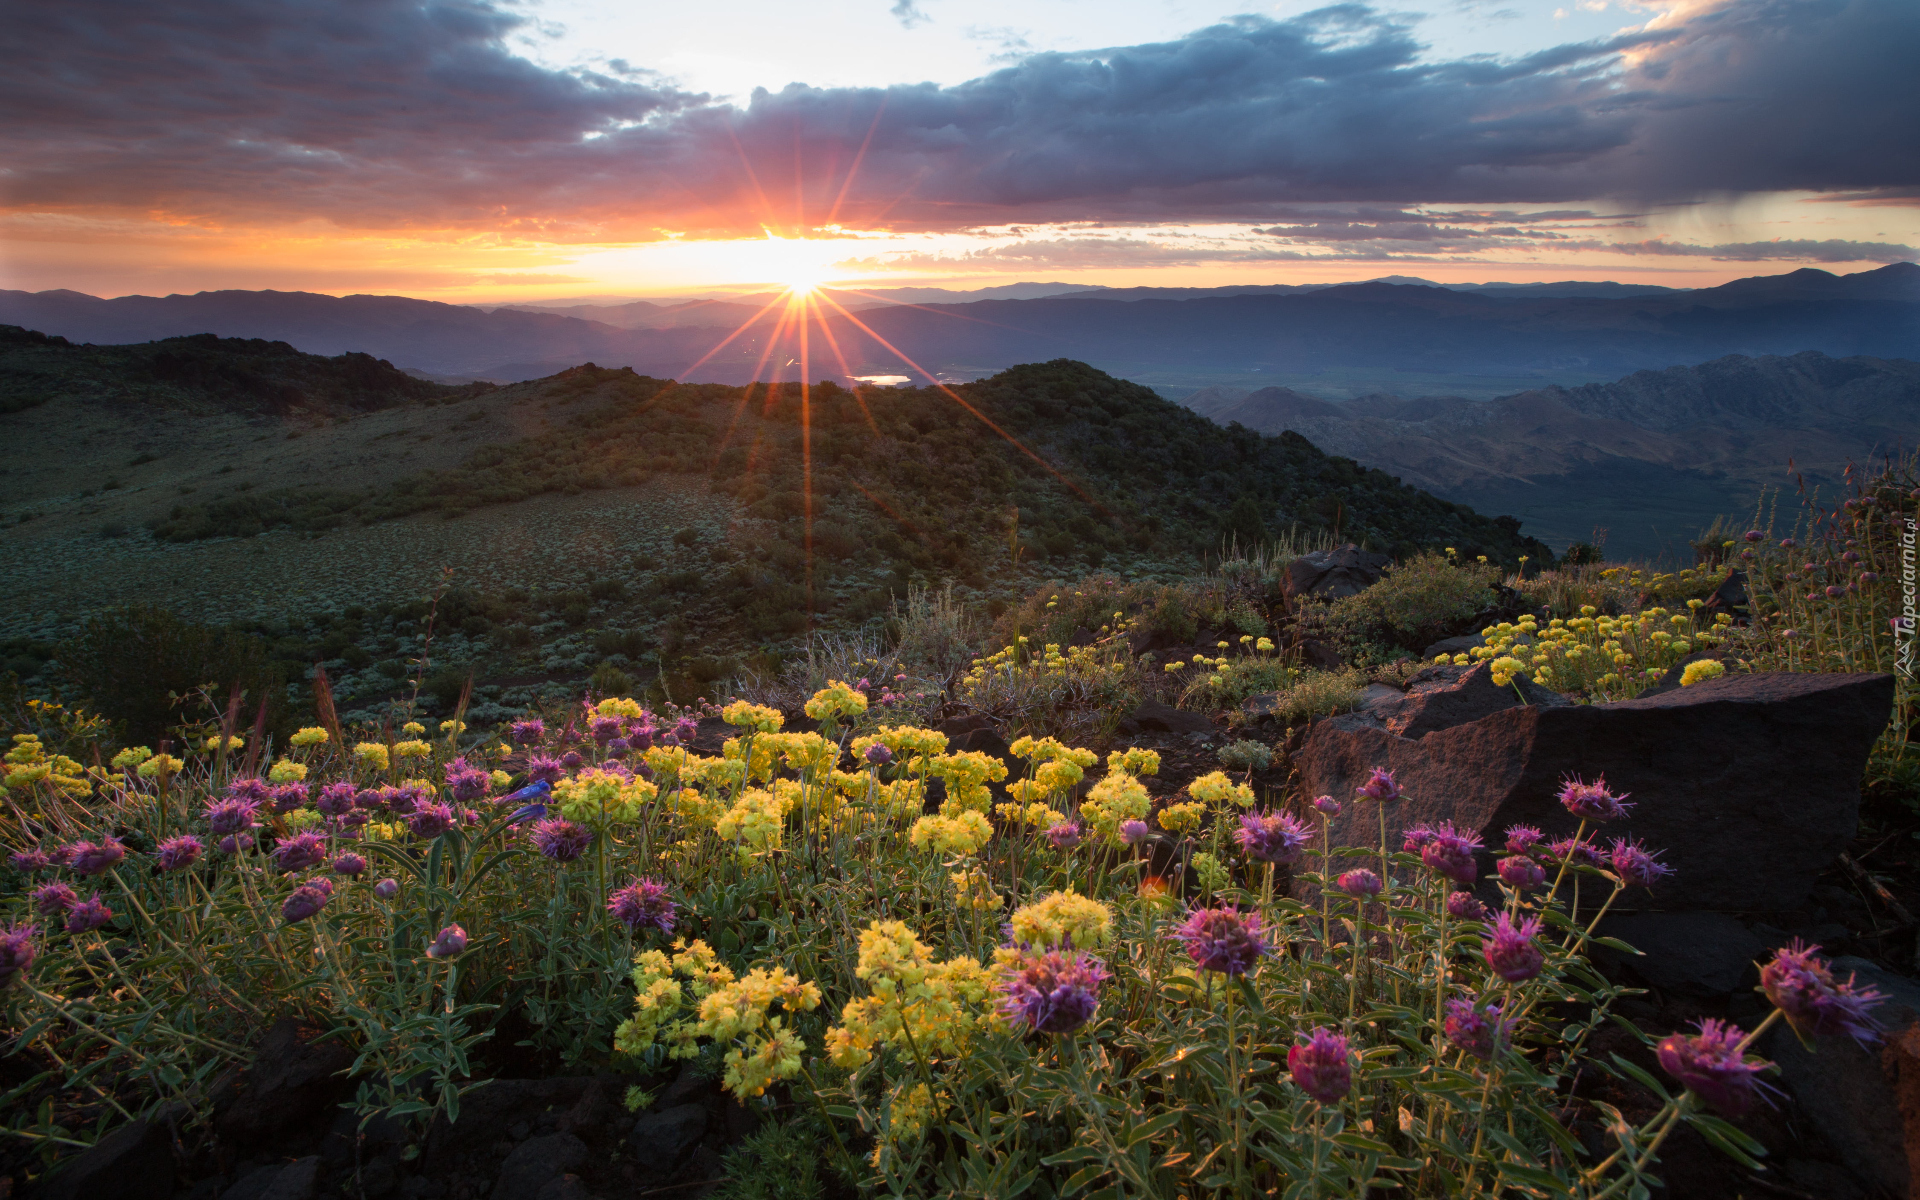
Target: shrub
{"x": 1246, "y": 756}
{"x": 142, "y": 664}
{"x": 1416, "y": 602}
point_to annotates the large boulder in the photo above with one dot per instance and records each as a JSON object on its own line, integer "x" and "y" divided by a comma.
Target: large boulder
{"x": 1342, "y": 571}
{"x": 1748, "y": 784}
{"x": 293, "y": 1084}
{"x": 134, "y": 1162}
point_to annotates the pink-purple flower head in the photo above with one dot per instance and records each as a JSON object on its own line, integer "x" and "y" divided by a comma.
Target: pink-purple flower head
{"x": 1592, "y": 801}
{"x": 1512, "y": 951}
{"x": 17, "y": 951}
{"x": 306, "y": 900}
{"x": 879, "y": 755}
{"x": 1523, "y": 839}
{"x": 387, "y": 889}
{"x": 1322, "y": 1066}
{"x": 285, "y": 797}
{"x": 1480, "y": 1031}
{"x": 1522, "y": 873}
{"x": 1576, "y": 852}
{"x": 644, "y": 903}
{"x": 541, "y": 768}
{"x": 91, "y": 858}
{"x": 1635, "y": 866}
{"x": 31, "y": 862}
{"x": 88, "y": 914}
{"x": 1359, "y": 883}
{"x": 466, "y": 782}
{"x": 1465, "y": 906}
{"x": 1273, "y": 837}
{"x": 231, "y": 816}
{"x": 1223, "y": 939}
{"x": 528, "y": 732}
{"x": 349, "y": 864}
{"x": 1134, "y": 832}
{"x": 1380, "y": 785}
{"x": 571, "y": 761}
{"x": 336, "y": 800}
{"x": 300, "y": 851}
{"x": 560, "y": 839}
{"x": 1326, "y": 806}
{"x": 178, "y": 853}
{"x": 259, "y": 791}
{"x": 1451, "y": 853}
{"x": 54, "y": 899}
{"x": 1064, "y": 836}
{"x": 1754, "y": 535}
{"x": 605, "y": 729}
{"x": 1054, "y": 992}
{"x": 1712, "y": 1066}
{"x": 431, "y": 819}
{"x": 1801, "y": 985}
{"x": 450, "y": 942}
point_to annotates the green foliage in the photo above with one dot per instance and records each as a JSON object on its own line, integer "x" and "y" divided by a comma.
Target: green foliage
{"x": 143, "y": 664}
{"x": 1417, "y": 601}
{"x": 1245, "y": 755}
{"x": 775, "y": 1162}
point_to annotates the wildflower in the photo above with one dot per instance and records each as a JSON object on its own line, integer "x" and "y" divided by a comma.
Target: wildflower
{"x": 372, "y": 755}
{"x": 1181, "y": 818}
{"x": 1701, "y": 669}
{"x": 605, "y": 729}
{"x": 643, "y": 902}
{"x": 31, "y": 862}
{"x": 1511, "y": 951}
{"x": 234, "y": 843}
{"x": 571, "y": 760}
{"x": 54, "y": 899}
{"x": 836, "y": 700}
{"x": 1712, "y": 1066}
{"x": 748, "y": 716}
{"x": 1576, "y": 853}
{"x": 1223, "y": 939}
{"x": 1592, "y": 801}
{"x": 1522, "y": 874}
{"x": 286, "y": 797}
{"x": 1051, "y": 992}
{"x": 467, "y": 783}
{"x": 131, "y": 757}
{"x": 312, "y": 735}
{"x": 88, "y": 914}
{"x": 561, "y": 840}
{"x": 1359, "y": 883}
{"x": 1064, "y": 836}
{"x": 87, "y": 858}
{"x": 1322, "y": 1067}
{"x": 179, "y": 853}
{"x": 1481, "y": 1032}
{"x": 387, "y": 889}
{"x": 430, "y": 820}
{"x": 336, "y": 800}
{"x": 287, "y": 771}
{"x": 17, "y": 951}
{"x": 1215, "y": 788}
{"x": 448, "y": 943}
{"x": 1134, "y": 832}
{"x": 1273, "y": 837}
{"x": 879, "y": 755}
{"x": 1803, "y": 988}
{"x": 1326, "y": 806}
{"x": 1635, "y": 866}
{"x": 306, "y": 900}
{"x": 1380, "y": 785}
{"x": 528, "y": 732}
{"x": 1450, "y": 852}
{"x": 1465, "y": 906}
{"x": 230, "y": 816}
{"x": 349, "y": 864}
{"x": 1063, "y": 919}
{"x": 160, "y": 766}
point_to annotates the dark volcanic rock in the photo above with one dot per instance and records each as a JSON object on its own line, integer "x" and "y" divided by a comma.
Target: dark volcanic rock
{"x": 1696, "y": 953}
{"x": 134, "y": 1162}
{"x": 1165, "y": 718}
{"x": 293, "y": 1085}
{"x": 1342, "y": 571}
{"x": 660, "y": 1141}
{"x": 1749, "y": 784}
{"x": 487, "y": 1113}
{"x": 536, "y": 1163}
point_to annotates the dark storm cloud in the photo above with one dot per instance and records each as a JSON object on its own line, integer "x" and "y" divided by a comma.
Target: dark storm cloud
{"x": 384, "y": 114}
{"x": 1833, "y": 250}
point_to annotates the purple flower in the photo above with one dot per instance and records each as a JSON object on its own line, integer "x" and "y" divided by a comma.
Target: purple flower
{"x": 1322, "y": 1067}
{"x": 604, "y": 729}
{"x": 404, "y": 800}
{"x": 1803, "y": 988}
{"x": 306, "y": 900}
{"x": 1379, "y": 786}
{"x": 1451, "y": 852}
{"x": 1064, "y": 836}
{"x": 16, "y": 951}
{"x": 640, "y": 734}
{"x": 541, "y": 769}
{"x": 1511, "y": 951}
{"x": 1581, "y": 853}
{"x": 467, "y": 782}
{"x": 1134, "y": 831}
{"x": 1359, "y": 883}
{"x": 300, "y": 851}
{"x": 231, "y": 816}
{"x": 1417, "y": 838}
{"x": 336, "y": 800}
{"x": 1754, "y": 535}
{"x": 618, "y": 747}
{"x": 256, "y": 790}
{"x": 560, "y": 839}
{"x": 879, "y": 755}
{"x": 1465, "y": 906}
{"x": 430, "y": 820}
{"x": 54, "y": 899}
{"x": 289, "y": 796}
{"x": 179, "y": 853}
{"x": 86, "y": 858}
{"x": 387, "y": 889}
{"x": 31, "y": 862}
{"x": 685, "y": 730}
{"x": 88, "y": 914}
{"x": 60, "y": 856}
{"x": 1223, "y": 939}
{"x": 1522, "y": 874}
{"x": 1592, "y": 801}
{"x": 1635, "y": 866}
{"x": 1788, "y": 543}
{"x": 1712, "y": 1067}
{"x": 450, "y": 942}
{"x": 349, "y": 864}
{"x": 1273, "y": 837}
{"x": 1055, "y": 992}
{"x": 1481, "y": 1032}
{"x": 571, "y": 760}
{"x": 1326, "y": 805}
{"x": 643, "y": 902}
{"x": 234, "y": 843}
{"x": 528, "y": 732}
{"x": 1521, "y": 839}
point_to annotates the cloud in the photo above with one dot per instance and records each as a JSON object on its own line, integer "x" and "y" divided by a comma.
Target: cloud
{"x": 1791, "y": 250}
{"x": 908, "y": 13}
{"x": 397, "y": 114}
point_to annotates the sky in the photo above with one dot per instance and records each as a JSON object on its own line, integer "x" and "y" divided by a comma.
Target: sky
{"x": 494, "y": 151}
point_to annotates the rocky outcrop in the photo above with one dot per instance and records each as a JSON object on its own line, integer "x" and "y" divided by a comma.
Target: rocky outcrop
{"x": 1342, "y": 571}
{"x": 1748, "y": 785}
{"x": 294, "y": 1082}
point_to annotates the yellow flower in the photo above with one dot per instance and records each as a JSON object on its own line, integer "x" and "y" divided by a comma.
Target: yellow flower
{"x": 234, "y": 742}
{"x": 1215, "y": 788}
{"x": 1700, "y": 669}
{"x": 312, "y": 735}
{"x": 284, "y": 771}
{"x": 837, "y": 699}
{"x": 963, "y": 833}
{"x": 752, "y": 716}
{"x": 413, "y": 729}
{"x": 1055, "y": 920}
{"x": 500, "y": 778}
{"x": 413, "y": 749}
{"x": 1181, "y": 818}
{"x": 972, "y": 889}
{"x": 165, "y": 766}
{"x": 371, "y": 754}
{"x": 302, "y": 819}
{"x": 755, "y": 820}
{"x": 453, "y": 727}
{"x": 600, "y": 797}
{"x": 132, "y": 756}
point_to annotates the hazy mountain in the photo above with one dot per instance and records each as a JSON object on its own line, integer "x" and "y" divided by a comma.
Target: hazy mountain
{"x": 732, "y": 311}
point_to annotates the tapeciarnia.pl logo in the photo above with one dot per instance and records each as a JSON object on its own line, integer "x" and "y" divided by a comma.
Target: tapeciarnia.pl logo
{"x": 1903, "y": 625}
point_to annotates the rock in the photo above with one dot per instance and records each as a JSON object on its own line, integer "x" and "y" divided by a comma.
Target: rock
{"x": 536, "y": 1163}
{"x": 567, "y": 1187}
{"x": 660, "y": 1141}
{"x": 134, "y": 1162}
{"x": 1696, "y": 953}
{"x": 1748, "y": 785}
{"x": 1320, "y": 656}
{"x": 1730, "y": 596}
{"x": 1342, "y": 571}
{"x": 486, "y": 1113}
{"x": 298, "y": 1180}
{"x": 294, "y": 1083}
{"x": 1164, "y": 718}
{"x": 1864, "y": 1099}
{"x": 1452, "y": 646}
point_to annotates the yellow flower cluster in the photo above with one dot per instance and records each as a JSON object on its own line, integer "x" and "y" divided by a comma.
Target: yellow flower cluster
{"x": 724, "y": 1009}
{"x": 1054, "y": 920}
{"x": 132, "y": 756}
{"x": 284, "y": 771}
{"x": 752, "y": 716}
{"x": 372, "y": 755}
{"x": 599, "y": 797}
{"x": 1701, "y": 669}
{"x": 619, "y": 706}
{"x": 756, "y": 821}
{"x": 972, "y": 889}
{"x": 1116, "y": 798}
{"x": 1607, "y": 657}
{"x": 906, "y": 741}
{"x": 835, "y": 700}
{"x": 938, "y": 1006}
{"x": 1216, "y": 788}
{"x": 1182, "y": 818}
{"x": 413, "y": 749}
{"x": 1038, "y": 814}
{"x": 28, "y": 763}
{"x": 967, "y": 774}
{"x": 1134, "y": 761}
{"x": 165, "y": 766}
{"x": 963, "y": 833}
{"x": 312, "y": 735}
{"x": 1212, "y": 872}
